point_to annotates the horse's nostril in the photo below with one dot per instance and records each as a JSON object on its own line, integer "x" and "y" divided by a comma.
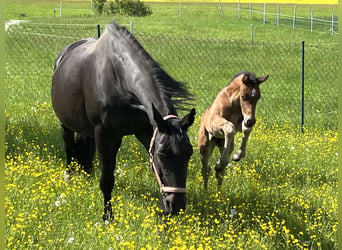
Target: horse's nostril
{"x": 173, "y": 203}
{"x": 250, "y": 122}
{"x": 169, "y": 206}
{"x": 168, "y": 201}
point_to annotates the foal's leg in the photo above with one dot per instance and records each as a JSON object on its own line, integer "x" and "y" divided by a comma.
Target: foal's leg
{"x": 242, "y": 150}
{"x": 222, "y": 163}
{"x": 225, "y": 150}
{"x": 107, "y": 149}
{"x": 206, "y": 151}
{"x": 206, "y": 148}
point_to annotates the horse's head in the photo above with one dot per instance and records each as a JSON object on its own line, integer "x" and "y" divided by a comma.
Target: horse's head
{"x": 249, "y": 96}
{"x": 170, "y": 152}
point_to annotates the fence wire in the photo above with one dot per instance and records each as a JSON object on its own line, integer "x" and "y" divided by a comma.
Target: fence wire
{"x": 205, "y": 64}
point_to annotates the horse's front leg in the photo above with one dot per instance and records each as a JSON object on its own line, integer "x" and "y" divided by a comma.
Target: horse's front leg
{"x": 242, "y": 150}
{"x": 107, "y": 148}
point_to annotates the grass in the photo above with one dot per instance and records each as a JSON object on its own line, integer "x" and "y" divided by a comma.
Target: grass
{"x": 281, "y": 196}
{"x": 318, "y": 2}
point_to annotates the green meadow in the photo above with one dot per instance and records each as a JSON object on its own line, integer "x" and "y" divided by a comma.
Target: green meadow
{"x": 282, "y": 195}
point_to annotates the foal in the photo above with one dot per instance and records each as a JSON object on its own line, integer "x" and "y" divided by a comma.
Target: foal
{"x": 233, "y": 110}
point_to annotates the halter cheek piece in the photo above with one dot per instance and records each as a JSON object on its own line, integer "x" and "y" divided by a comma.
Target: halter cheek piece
{"x": 163, "y": 188}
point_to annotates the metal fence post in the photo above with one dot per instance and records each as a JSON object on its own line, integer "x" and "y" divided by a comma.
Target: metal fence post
{"x": 294, "y": 17}
{"x": 180, "y": 8}
{"x": 332, "y": 24}
{"x": 98, "y": 31}
{"x": 302, "y": 89}
{"x": 278, "y": 14}
{"x": 221, "y": 7}
{"x": 312, "y": 19}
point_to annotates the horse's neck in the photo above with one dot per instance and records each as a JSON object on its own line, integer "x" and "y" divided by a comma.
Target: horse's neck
{"x": 151, "y": 95}
{"x": 232, "y": 94}
{"x": 140, "y": 84}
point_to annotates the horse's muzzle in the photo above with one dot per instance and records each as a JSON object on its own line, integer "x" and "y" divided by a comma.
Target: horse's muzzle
{"x": 250, "y": 123}
{"x": 172, "y": 203}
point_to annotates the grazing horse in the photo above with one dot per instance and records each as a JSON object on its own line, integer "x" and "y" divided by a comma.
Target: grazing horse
{"x": 233, "y": 110}
{"x": 106, "y": 88}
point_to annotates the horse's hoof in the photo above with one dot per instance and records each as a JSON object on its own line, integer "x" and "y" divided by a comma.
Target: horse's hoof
{"x": 236, "y": 157}
{"x": 66, "y": 176}
{"x": 107, "y": 217}
{"x": 108, "y": 214}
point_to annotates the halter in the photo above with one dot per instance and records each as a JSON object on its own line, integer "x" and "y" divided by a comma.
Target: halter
{"x": 163, "y": 188}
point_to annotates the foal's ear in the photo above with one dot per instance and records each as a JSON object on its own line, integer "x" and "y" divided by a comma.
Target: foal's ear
{"x": 261, "y": 79}
{"x": 188, "y": 120}
{"x": 245, "y": 79}
{"x": 161, "y": 123}
{"x": 248, "y": 79}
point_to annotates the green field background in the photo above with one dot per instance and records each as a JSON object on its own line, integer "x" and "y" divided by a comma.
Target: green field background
{"x": 283, "y": 195}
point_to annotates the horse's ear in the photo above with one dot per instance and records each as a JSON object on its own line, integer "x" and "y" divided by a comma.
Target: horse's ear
{"x": 261, "y": 79}
{"x": 161, "y": 123}
{"x": 188, "y": 120}
{"x": 248, "y": 80}
{"x": 245, "y": 79}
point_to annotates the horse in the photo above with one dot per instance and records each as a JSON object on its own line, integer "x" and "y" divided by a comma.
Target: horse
{"x": 106, "y": 88}
{"x": 232, "y": 110}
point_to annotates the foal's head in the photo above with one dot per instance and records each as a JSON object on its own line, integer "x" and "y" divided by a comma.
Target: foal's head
{"x": 171, "y": 151}
{"x": 249, "y": 96}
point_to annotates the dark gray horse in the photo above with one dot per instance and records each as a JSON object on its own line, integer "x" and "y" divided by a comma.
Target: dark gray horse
{"x": 106, "y": 88}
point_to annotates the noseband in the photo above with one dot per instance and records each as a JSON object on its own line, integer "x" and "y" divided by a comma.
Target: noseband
{"x": 163, "y": 188}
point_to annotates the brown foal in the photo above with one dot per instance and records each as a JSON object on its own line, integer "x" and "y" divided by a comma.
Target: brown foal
{"x": 232, "y": 110}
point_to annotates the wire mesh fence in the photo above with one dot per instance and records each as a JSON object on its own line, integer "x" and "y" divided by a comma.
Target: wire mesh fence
{"x": 205, "y": 64}
{"x": 287, "y": 15}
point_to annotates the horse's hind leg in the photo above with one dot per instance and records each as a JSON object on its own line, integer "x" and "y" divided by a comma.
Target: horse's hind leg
{"x": 206, "y": 152}
{"x": 85, "y": 152}
{"x": 206, "y": 147}
{"x": 241, "y": 152}
{"x": 69, "y": 146}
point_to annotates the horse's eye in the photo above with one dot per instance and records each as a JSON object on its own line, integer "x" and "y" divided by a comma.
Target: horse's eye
{"x": 244, "y": 97}
{"x": 161, "y": 155}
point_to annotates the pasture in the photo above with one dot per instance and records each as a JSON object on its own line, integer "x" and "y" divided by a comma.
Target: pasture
{"x": 282, "y": 195}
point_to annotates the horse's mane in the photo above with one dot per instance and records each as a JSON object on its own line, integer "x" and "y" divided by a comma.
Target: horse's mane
{"x": 170, "y": 89}
{"x": 251, "y": 75}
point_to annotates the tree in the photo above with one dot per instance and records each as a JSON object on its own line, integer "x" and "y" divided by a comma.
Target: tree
{"x": 129, "y": 8}
{"x": 98, "y": 6}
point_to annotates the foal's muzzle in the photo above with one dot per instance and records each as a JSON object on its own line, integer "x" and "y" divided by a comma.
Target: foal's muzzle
{"x": 250, "y": 123}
